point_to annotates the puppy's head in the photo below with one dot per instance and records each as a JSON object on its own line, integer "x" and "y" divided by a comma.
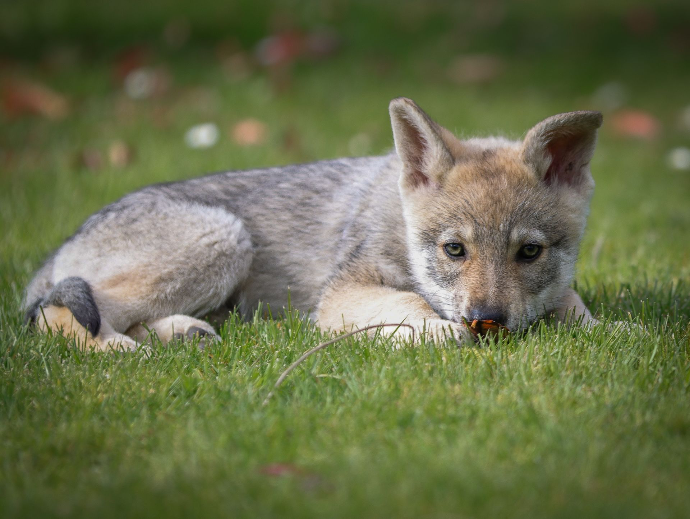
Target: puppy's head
{"x": 494, "y": 226}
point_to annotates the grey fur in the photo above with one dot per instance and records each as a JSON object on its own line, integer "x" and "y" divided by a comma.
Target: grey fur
{"x": 315, "y": 232}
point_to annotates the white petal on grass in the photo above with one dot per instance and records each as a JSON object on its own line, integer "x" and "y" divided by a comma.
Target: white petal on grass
{"x": 140, "y": 83}
{"x": 202, "y": 136}
{"x": 679, "y": 158}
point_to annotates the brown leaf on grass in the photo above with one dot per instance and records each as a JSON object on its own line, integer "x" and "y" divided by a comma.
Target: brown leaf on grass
{"x": 120, "y": 154}
{"x": 146, "y": 82}
{"x": 176, "y": 33}
{"x": 205, "y": 101}
{"x": 6, "y": 64}
{"x": 287, "y": 46}
{"x": 281, "y": 469}
{"x": 22, "y": 97}
{"x": 322, "y": 43}
{"x": 279, "y": 49}
{"x": 161, "y": 116}
{"x": 475, "y": 69}
{"x": 237, "y": 66}
{"x": 129, "y": 60}
{"x": 635, "y": 123}
{"x": 292, "y": 143}
{"x": 235, "y": 62}
{"x": 309, "y": 481}
{"x": 91, "y": 159}
{"x": 249, "y": 132}
{"x": 641, "y": 21}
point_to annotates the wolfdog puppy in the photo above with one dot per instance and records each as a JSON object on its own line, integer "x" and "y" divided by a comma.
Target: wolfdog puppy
{"x": 439, "y": 232}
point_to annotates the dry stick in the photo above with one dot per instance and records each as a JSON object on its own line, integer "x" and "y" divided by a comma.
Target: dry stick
{"x": 323, "y": 345}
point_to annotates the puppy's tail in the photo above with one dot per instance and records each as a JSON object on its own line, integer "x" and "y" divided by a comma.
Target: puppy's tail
{"x": 73, "y": 293}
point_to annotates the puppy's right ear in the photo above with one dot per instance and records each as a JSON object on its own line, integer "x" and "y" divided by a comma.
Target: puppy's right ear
{"x": 420, "y": 146}
{"x": 559, "y": 148}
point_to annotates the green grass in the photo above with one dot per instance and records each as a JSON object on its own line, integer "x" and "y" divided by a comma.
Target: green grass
{"x": 558, "y": 423}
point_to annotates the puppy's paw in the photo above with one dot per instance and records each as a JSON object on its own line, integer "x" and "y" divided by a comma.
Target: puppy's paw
{"x": 614, "y": 326}
{"x": 437, "y": 330}
{"x": 119, "y": 343}
{"x": 205, "y": 336}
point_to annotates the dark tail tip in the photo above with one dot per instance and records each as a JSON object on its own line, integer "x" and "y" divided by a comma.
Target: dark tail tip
{"x": 75, "y": 294}
{"x": 32, "y": 311}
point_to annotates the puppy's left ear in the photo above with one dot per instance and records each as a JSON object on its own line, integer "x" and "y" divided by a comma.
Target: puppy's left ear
{"x": 560, "y": 148}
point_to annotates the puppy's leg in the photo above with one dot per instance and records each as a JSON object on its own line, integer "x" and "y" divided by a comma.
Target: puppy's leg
{"x": 573, "y": 310}
{"x": 346, "y": 306}
{"x": 152, "y": 259}
{"x": 59, "y": 319}
{"x": 174, "y": 327}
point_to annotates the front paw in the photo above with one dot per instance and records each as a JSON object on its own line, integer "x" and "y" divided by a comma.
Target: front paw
{"x": 437, "y": 330}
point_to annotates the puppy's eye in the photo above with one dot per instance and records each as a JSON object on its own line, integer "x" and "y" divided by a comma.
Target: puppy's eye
{"x": 454, "y": 250}
{"x": 529, "y": 252}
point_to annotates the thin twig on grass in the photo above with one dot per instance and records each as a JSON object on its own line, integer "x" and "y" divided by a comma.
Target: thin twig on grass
{"x": 323, "y": 345}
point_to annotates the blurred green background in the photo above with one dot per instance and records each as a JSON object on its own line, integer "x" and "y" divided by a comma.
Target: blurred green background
{"x": 97, "y": 98}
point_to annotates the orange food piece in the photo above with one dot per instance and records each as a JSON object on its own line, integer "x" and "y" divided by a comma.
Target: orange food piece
{"x": 485, "y": 327}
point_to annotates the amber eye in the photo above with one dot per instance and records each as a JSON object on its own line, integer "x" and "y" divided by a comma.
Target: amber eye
{"x": 529, "y": 251}
{"x": 454, "y": 250}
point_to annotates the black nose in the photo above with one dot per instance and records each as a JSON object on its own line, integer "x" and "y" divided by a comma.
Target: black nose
{"x": 488, "y": 313}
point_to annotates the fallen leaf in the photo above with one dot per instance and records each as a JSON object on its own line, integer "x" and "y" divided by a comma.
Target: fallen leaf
{"x": 635, "y": 123}
{"x": 128, "y": 60}
{"x": 90, "y": 159}
{"x": 309, "y": 481}
{"x": 205, "y": 101}
{"x": 145, "y": 82}
{"x": 21, "y": 97}
{"x": 322, "y": 43}
{"x": 176, "y": 33}
{"x": 160, "y": 116}
{"x": 279, "y": 49}
{"x": 640, "y": 20}
{"x": 237, "y": 66}
{"x": 281, "y": 469}
{"x": 475, "y": 68}
{"x": 120, "y": 154}
{"x": 292, "y": 143}
{"x": 6, "y": 64}
{"x": 249, "y": 132}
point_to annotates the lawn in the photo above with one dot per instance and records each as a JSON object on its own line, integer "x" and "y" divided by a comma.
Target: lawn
{"x": 556, "y": 423}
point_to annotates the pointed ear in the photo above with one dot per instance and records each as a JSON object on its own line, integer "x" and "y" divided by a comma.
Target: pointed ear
{"x": 419, "y": 143}
{"x": 560, "y": 148}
